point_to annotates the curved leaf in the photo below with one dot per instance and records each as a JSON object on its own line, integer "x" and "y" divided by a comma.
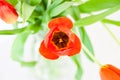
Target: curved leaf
{"x": 86, "y": 40}
{"x": 94, "y": 18}
{"x": 13, "y": 2}
{"x": 27, "y": 10}
{"x": 96, "y": 5}
{"x": 54, "y": 4}
{"x": 32, "y": 2}
{"x": 18, "y": 46}
{"x": 117, "y": 23}
{"x": 79, "y": 71}
{"x": 60, "y": 8}
{"x": 11, "y": 32}
{"x": 28, "y": 64}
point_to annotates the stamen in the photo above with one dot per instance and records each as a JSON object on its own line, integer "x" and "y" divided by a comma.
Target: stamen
{"x": 60, "y": 39}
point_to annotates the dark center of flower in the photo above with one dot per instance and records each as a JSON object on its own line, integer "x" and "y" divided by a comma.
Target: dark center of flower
{"x": 60, "y": 39}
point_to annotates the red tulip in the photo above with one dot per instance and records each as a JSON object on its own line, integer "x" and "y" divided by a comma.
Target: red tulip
{"x": 61, "y": 21}
{"x": 7, "y": 12}
{"x": 60, "y": 40}
{"x": 109, "y": 72}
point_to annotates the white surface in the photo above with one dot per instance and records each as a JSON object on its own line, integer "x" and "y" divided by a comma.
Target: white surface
{"x": 106, "y": 50}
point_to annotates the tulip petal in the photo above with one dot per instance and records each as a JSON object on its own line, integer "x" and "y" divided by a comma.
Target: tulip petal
{"x": 108, "y": 74}
{"x": 68, "y": 32}
{"x": 72, "y": 47}
{"x": 116, "y": 70}
{"x": 46, "y": 53}
{"x": 60, "y": 40}
{"x": 61, "y": 21}
{"x": 75, "y": 46}
{"x": 7, "y": 12}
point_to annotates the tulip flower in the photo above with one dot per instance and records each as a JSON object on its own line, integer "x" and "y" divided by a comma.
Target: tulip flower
{"x": 60, "y": 40}
{"x": 109, "y": 72}
{"x": 7, "y": 12}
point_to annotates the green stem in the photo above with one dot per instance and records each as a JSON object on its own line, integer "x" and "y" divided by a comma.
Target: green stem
{"x": 111, "y": 33}
{"x": 91, "y": 55}
{"x": 48, "y": 4}
{"x": 117, "y": 23}
{"x": 10, "y": 32}
{"x": 79, "y": 72}
{"x": 87, "y": 50}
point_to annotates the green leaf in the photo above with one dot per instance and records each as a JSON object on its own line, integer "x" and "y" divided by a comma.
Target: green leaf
{"x": 13, "y": 2}
{"x": 81, "y": 32}
{"x": 96, "y": 5}
{"x": 34, "y": 28}
{"x": 117, "y": 23}
{"x": 60, "y": 8}
{"x": 86, "y": 41}
{"x": 33, "y": 2}
{"x": 27, "y": 10}
{"x": 11, "y": 32}
{"x": 54, "y": 4}
{"x": 73, "y": 11}
{"x": 18, "y": 46}
{"x": 79, "y": 71}
{"x": 28, "y": 64}
{"x": 94, "y": 18}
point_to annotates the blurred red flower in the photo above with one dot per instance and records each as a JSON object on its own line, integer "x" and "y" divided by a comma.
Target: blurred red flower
{"x": 60, "y": 40}
{"x": 109, "y": 72}
{"x": 7, "y": 12}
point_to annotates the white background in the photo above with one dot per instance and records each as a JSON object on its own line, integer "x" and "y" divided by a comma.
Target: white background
{"x": 105, "y": 47}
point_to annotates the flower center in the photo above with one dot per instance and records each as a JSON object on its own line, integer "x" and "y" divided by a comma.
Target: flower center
{"x": 60, "y": 39}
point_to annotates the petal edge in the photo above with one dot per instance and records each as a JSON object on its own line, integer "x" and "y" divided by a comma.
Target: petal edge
{"x": 46, "y": 53}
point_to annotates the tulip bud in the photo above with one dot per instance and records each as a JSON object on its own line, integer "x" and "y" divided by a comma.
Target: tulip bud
{"x": 60, "y": 40}
{"x": 8, "y": 12}
{"x": 109, "y": 72}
